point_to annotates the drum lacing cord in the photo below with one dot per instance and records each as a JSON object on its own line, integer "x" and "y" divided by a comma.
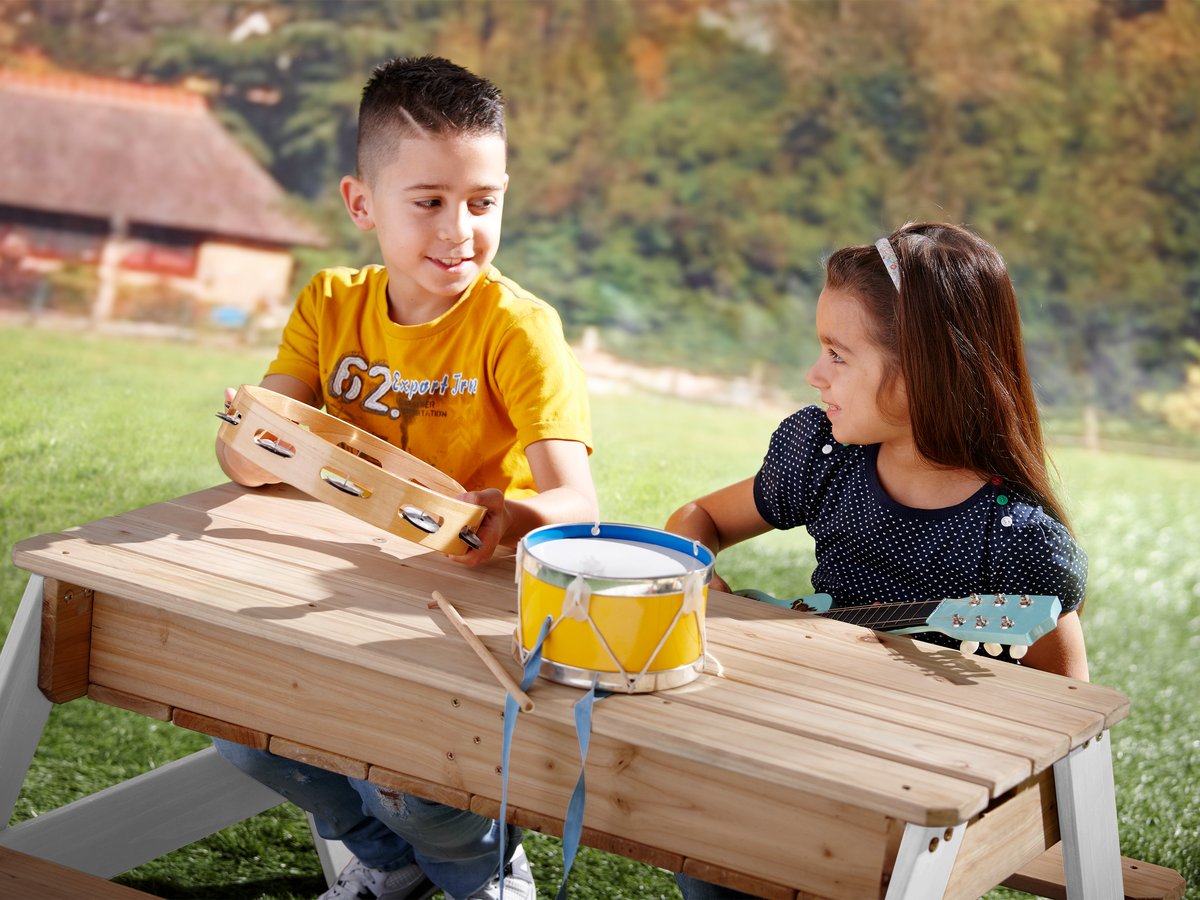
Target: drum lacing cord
{"x": 577, "y": 606}
{"x": 715, "y": 669}
{"x": 707, "y": 656}
{"x": 573, "y": 823}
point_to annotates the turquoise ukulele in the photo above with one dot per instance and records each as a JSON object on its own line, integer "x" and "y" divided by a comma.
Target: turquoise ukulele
{"x": 994, "y": 620}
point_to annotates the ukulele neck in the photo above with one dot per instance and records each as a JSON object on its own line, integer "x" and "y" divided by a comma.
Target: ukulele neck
{"x": 886, "y": 616}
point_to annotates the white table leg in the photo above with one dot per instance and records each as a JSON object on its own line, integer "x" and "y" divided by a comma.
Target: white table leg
{"x": 141, "y": 819}
{"x": 924, "y": 861}
{"x": 1087, "y": 820}
{"x": 23, "y": 708}
{"x": 333, "y": 855}
{"x": 123, "y": 826}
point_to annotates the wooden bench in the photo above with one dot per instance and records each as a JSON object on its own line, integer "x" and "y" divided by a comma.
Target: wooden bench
{"x": 22, "y": 875}
{"x": 1143, "y": 881}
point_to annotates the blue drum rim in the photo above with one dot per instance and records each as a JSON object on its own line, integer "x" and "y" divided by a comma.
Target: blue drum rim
{"x": 637, "y": 586}
{"x": 619, "y": 531}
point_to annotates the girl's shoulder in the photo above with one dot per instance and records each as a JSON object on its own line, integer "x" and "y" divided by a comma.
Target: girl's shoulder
{"x": 805, "y": 469}
{"x": 805, "y": 431}
{"x": 804, "y": 440}
{"x": 1026, "y": 521}
{"x": 808, "y": 421}
{"x": 1034, "y": 548}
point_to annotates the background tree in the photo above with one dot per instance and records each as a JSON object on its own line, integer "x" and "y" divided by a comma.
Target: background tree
{"x": 681, "y": 167}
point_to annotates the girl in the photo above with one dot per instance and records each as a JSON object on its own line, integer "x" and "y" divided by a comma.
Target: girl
{"x": 924, "y": 476}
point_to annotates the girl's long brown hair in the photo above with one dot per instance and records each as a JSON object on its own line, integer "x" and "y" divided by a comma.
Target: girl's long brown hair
{"x": 953, "y": 334}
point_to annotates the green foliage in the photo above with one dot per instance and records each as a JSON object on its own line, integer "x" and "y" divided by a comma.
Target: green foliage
{"x": 109, "y": 438}
{"x": 680, "y": 167}
{"x": 1180, "y": 409}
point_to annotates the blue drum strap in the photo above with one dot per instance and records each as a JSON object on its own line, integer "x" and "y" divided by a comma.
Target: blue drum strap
{"x": 573, "y": 824}
{"x": 511, "y": 709}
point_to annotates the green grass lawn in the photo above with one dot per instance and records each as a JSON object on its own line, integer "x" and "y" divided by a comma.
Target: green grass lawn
{"x": 95, "y": 426}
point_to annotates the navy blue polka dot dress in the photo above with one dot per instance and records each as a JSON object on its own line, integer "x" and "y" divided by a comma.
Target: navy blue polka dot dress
{"x": 871, "y": 549}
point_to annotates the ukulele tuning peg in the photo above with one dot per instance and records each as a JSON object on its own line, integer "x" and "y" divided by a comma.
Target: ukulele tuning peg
{"x": 1016, "y": 651}
{"x": 968, "y": 648}
{"x": 992, "y": 649}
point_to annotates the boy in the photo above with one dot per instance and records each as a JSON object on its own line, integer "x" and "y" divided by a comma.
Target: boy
{"x": 440, "y": 354}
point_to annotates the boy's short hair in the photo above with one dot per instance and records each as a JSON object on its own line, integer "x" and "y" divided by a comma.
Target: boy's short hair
{"x": 422, "y": 95}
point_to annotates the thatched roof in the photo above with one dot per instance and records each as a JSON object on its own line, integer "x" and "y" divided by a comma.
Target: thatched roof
{"x": 96, "y": 147}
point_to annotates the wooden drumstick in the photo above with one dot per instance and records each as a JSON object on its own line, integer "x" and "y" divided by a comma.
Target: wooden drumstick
{"x": 472, "y": 639}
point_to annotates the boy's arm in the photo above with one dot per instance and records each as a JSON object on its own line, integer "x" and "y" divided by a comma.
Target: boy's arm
{"x": 565, "y": 494}
{"x": 565, "y": 491}
{"x": 235, "y": 466}
{"x": 720, "y": 519}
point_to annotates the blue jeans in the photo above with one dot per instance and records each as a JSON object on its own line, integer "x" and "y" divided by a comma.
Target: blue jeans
{"x": 458, "y": 850}
{"x": 695, "y": 889}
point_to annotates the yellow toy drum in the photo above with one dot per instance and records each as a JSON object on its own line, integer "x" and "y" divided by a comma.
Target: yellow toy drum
{"x": 625, "y": 603}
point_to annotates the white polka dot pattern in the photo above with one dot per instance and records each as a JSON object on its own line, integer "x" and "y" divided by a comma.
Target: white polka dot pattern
{"x": 871, "y": 549}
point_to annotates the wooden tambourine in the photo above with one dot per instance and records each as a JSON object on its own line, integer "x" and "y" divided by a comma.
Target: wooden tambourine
{"x": 348, "y": 468}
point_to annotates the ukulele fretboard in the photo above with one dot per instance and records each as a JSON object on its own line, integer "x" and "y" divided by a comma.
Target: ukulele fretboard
{"x": 886, "y": 616}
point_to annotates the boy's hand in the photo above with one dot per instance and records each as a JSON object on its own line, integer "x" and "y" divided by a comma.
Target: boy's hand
{"x": 491, "y": 531}
{"x": 237, "y": 466}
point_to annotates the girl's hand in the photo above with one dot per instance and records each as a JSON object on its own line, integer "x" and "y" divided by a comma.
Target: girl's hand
{"x": 495, "y": 524}
{"x": 718, "y": 583}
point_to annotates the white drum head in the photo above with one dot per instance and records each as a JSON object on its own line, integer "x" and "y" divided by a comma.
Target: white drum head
{"x": 608, "y": 558}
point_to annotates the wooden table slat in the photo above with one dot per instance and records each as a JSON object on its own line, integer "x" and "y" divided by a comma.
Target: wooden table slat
{"x": 1042, "y": 746}
{"x": 1023, "y": 694}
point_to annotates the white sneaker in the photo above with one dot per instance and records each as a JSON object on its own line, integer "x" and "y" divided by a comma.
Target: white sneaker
{"x": 359, "y": 881}
{"x": 518, "y": 881}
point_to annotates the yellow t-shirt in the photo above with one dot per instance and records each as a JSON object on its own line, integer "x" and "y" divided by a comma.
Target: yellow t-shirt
{"x": 466, "y": 392}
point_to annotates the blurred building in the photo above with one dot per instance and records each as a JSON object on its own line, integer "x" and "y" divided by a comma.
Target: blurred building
{"x": 140, "y": 187}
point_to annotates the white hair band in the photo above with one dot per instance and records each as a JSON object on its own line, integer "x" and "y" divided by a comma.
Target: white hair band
{"x": 884, "y": 246}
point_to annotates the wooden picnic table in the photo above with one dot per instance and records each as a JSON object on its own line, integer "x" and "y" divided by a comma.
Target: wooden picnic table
{"x": 822, "y": 759}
